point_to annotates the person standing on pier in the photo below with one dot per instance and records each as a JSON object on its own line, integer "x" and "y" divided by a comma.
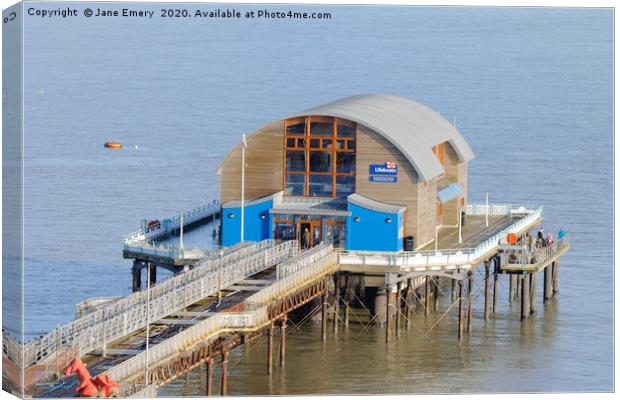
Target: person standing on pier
{"x": 306, "y": 239}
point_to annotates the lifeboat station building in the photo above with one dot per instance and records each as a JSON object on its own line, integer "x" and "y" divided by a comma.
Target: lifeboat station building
{"x": 368, "y": 172}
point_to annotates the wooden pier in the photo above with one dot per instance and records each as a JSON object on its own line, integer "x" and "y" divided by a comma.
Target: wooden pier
{"x": 227, "y": 298}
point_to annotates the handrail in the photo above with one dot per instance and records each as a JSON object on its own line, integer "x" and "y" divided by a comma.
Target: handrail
{"x": 541, "y": 255}
{"x": 303, "y": 260}
{"x": 125, "y": 315}
{"x": 208, "y": 329}
{"x": 408, "y": 259}
{"x": 169, "y": 224}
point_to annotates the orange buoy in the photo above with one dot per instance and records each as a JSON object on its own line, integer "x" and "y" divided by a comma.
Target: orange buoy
{"x": 113, "y": 145}
{"x": 512, "y": 238}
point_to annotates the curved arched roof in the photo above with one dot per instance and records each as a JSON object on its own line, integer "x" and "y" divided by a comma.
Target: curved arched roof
{"x": 410, "y": 126}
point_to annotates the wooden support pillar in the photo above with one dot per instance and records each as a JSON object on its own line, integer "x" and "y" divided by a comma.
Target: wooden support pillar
{"x": 511, "y": 288}
{"x": 324, "y": 314}
{"x": 387, "y": 313}
{"x": 136, "y": 274}
{"x": 533, "y": 279}
{"x": 461, "y": 309}
{"x": 282, "y": 340}
{"x": 209, "y": 371}
{"x": 486, "y": 290}
{"x": 525, "y": 297}
{"x": 270, "y": 349}
{"x": 470, "y": 300}
{"x": 556, "y": 276}
{"x": 427, "y": 295}
{"x": 224, "y": 376}
{"x": 398, "y": 308}
{"x": 336, "y": 301}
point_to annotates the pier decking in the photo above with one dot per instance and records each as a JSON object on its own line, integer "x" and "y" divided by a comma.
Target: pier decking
{"x": 226, "y": 296}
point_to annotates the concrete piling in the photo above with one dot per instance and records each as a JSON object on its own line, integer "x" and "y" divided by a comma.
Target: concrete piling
{"x": 136, "y": 275}
{"x": 495, "y": 276}
{"x": 511, "y": 288}
{"x": 547, "y": 290}
{"x": 324, "y": 313}
{"x": 387, "y": 314}
{"x": 336, "y": 301}
{"x": 398, "y": 308}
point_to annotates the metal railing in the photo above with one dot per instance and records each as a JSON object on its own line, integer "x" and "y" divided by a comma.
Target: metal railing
{"x": 531, "y": 258}
{"x": 209, "y": 329}
{"x": 128, "y": 314}
{"x": 495, "y": 210}
{"x": 169, "y": 224}
{"x": 442, "y": 257}
{"x": 303, "y": 260}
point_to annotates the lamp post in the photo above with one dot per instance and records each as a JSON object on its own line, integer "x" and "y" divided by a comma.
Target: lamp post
{"x": 486, "y": 211}
{"x": 244, "y": 145}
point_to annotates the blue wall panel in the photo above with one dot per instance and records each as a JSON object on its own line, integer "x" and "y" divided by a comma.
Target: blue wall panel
{"x": 255, "y": 227}
{"x": 372, "y": 232}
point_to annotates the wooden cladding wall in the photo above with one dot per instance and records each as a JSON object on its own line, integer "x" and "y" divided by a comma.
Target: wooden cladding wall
{"x": 374, "y": 149}
{"x": 264, "y": 159}
{"x": 426, "y": 212}
{"x": 456, "y": 171}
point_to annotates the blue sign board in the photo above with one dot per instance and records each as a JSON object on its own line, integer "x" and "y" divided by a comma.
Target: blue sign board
{"x": 383, "y": 178}
{"x": 383, "y": 169}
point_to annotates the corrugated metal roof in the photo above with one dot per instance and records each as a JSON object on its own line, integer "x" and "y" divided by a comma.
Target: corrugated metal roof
{"x": 450, "y": 192}
{"x": 410, "y": 126}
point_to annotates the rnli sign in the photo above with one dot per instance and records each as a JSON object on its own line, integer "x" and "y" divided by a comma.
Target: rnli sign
{"x": 383, "y": 172}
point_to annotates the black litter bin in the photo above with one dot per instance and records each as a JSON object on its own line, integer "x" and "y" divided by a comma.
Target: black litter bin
{"x": 409, "y": 243}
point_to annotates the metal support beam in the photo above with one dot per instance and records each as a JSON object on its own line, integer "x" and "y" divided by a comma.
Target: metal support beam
{"x": 427, "y": 295}
{"x": 511, "y": 287}
{"x": 525, "y": 296}
{"x": 324, "y": 313}
{"x": 336, "y": 301}
{"x": 534, "y": 279}
{"x": 387, "y": 313}
{"x": 398, "y": 308}
{"x": 282, "y": 340}
{"x": 495, "y": 276}
{"x": 435, "y": 293}
{"x": 136, "y": 275}
{"x": 519, "y": 286}
{"x": 270, "y": 349}
{"x": 153, "y": 273}
{"x": 546, "y": 292}
{"x": 487, "y": 275}
{"x": 470, "y": 300}
{"x": 556, "y": 276}
{"x": 461, "y": 309}
{"x": 224, "y": 375}
{"x": 209, "y": 371}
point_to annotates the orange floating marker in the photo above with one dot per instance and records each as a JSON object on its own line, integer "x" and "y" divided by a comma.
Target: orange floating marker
{"x": 512, "y": 238}
{"x": 113, "y": 145}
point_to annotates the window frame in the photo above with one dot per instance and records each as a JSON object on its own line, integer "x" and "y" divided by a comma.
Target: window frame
{"x": 327, "y": 144}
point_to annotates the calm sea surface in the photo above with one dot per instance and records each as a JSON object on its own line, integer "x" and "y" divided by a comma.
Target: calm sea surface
{"x": 530, "y": 89}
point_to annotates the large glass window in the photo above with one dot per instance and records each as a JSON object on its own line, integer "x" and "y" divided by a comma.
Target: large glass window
{"x": 320, "y": 156}
{"x": 320, "y": 161}
{"x": 295, "y": 160}
{"x": 320, "y": 185}
{"x": 295, "y": 184}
